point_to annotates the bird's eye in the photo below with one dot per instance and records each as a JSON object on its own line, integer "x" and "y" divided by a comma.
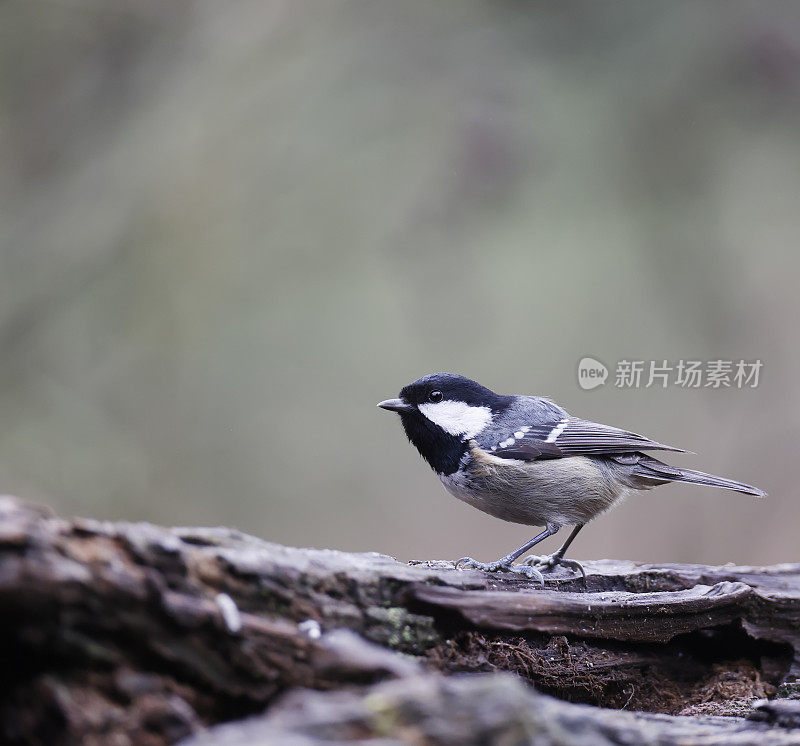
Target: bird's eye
{"x": 435, "y": 396}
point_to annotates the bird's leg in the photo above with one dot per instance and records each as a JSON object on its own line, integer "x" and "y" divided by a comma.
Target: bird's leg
{"x": 506, "y": 563}
{"x": 549, "y": 561}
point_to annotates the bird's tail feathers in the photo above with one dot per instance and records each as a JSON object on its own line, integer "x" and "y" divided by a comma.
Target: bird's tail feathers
{"x": 650, "y": 468}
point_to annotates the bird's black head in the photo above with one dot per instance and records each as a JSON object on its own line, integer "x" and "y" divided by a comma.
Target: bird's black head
{"x": 441, "y": 412}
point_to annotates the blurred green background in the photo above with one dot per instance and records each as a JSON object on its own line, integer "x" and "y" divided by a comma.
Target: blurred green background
{"x": 228, "y": 229}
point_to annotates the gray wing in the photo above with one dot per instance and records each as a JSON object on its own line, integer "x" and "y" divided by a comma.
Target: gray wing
{"x": 572, "y": 436}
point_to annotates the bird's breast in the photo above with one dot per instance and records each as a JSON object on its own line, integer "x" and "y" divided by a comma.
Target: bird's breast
{"x": 553, "y": 491}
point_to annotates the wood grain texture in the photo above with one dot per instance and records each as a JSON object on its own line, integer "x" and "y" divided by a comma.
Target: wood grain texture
{"x": 127, "y": 633}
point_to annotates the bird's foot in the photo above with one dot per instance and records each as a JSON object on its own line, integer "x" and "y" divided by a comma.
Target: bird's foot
{"x": 501, "y": 566}
{"x": 550, "y": 561}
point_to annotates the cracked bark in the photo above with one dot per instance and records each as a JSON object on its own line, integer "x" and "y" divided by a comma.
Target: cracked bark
{"x": 138, "y": 634}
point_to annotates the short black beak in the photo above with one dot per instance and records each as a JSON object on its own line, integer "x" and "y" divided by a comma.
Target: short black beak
{"x": 395, "y": 405}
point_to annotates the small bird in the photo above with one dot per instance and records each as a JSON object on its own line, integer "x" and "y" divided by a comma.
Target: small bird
{"x": 526, "y": 460}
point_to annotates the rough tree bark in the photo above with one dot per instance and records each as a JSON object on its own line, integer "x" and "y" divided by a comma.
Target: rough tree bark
{"x": 136, "y": 634}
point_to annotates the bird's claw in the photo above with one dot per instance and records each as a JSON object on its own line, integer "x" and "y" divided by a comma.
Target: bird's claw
{"x": 550, "y": 561}
{"x": 500, "y": 566}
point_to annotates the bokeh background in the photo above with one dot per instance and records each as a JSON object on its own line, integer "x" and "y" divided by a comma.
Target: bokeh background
{"x": 228, "y": 229}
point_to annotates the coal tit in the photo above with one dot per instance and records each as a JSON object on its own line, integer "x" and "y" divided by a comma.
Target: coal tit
{"x": 526, "y": 460}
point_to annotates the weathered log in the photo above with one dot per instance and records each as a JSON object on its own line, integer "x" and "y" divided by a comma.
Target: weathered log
{"x": 136, "y": 634}
{"x": 479, "y": 709}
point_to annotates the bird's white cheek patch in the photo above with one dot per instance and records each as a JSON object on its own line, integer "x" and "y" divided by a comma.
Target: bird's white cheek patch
{"x": 457, "y": 417}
